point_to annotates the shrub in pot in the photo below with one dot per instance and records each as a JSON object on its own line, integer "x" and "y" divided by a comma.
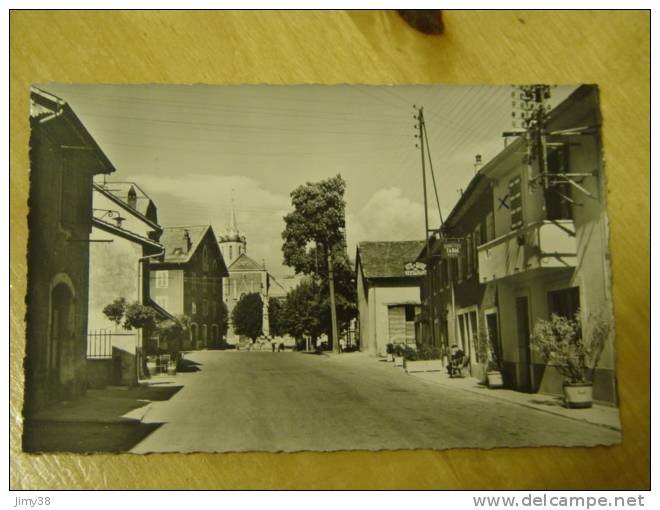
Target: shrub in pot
{"x": 389, "y": 349}
{"x": 398, "y": 351}
{"x": 573, "y": 347}
{"x": 489, "y": 360}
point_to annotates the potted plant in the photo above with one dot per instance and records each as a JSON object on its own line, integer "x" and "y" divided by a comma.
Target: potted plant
{"x": 489, "y": 360}
{"x": 398, "y": 351}
{"x": 389, "y": 349}
{"x": 574, "y": 349}
{"x": 427, "y": 358}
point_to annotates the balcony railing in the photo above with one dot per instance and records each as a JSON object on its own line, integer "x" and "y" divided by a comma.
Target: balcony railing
{"x": 545, "y": 244}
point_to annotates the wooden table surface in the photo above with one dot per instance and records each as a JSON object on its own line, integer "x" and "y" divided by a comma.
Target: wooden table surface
{"x": 611, "y": 49}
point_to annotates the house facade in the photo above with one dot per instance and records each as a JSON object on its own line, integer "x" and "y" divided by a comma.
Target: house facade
{"x": 550, "y": 252}
{"x": 189, "y": 281}
{"x": 63, "y": 161}
{"x": 387, "y": 293}
{"x": 127, "y": 218}
{"x": 541, "y": 249}
{"x": 457, "y": 309}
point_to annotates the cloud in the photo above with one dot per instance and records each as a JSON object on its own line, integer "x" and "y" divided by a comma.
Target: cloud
{"x": 194, "y": 199}
{"x": 386, "y": 216}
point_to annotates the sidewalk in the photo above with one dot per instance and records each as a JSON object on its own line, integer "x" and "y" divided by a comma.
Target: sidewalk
{"x": 599, "y": 414}
{"x": 602, "y": 415}
{"x": 108, "y": 420}
{"x": 114, "y": 404}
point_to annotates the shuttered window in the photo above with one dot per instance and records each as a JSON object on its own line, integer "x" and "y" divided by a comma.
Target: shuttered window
{"x": 515, "y": 203}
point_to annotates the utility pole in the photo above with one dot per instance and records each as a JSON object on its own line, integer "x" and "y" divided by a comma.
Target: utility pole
{"x": 429, "y": 279}
{"x": 333, "y": 309}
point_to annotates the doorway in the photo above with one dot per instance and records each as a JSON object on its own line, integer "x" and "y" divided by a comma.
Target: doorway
{"x": 61, "y": 340}
{"x": 522, "y": 320}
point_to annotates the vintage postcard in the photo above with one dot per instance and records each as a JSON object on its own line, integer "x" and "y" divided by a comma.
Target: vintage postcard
{"x": 291, "y": 268}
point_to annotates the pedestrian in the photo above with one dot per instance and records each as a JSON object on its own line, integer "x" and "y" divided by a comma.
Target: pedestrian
{"x": 272, "y": 344}
{"x": 342, "y": 345}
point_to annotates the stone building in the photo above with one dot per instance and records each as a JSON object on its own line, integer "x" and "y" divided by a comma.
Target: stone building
{"x": 63, "y": 161}
{"x": 245, "y": 275}
{"x": 189, "y": 281}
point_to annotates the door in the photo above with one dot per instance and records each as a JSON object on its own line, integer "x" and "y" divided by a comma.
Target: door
{"x": 524, "y": 372}
{"x": 494, "y": 339}
{"x": 60, "y": 340}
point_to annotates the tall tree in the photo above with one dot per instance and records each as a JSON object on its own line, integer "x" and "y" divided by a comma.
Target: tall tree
{"x": 276, "y": 317}
{"x": 314, "y": 235}
{"x": 247, "y": 316}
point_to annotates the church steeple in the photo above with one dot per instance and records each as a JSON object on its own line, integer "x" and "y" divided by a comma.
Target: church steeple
{"x": 232, "y": 243}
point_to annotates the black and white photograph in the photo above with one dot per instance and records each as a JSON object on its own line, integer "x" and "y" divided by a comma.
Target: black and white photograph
{"x": 243, "y": 268}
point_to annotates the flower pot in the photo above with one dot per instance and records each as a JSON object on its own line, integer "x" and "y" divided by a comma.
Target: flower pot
{"x": 578, "y": 395}
{"x": 390, "y": 357}
{"x": 494, "y": 379}
{"x": 171, "y": 368}
{"x": 398, "y": 361}
{"x": 152, "y": 368}
{"x": 427, "y": 365}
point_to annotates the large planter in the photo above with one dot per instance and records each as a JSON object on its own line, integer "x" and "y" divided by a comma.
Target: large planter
{"x": 578, "y": 395}
{"x": 494, "y": 379}
{"x": 390, "y": 357}
{"x": 427, "y": 365}
{"x": 398, "y": 361}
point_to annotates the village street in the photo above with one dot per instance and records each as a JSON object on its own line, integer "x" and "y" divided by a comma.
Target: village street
{"x": 236, "y": 401}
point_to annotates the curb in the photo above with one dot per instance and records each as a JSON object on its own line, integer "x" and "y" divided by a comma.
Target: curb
{"x": 524, "y": 404}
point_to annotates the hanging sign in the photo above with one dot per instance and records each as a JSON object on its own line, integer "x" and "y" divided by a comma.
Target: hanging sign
{"x": 414, "y": 269}
{"x": 452, "y": 248}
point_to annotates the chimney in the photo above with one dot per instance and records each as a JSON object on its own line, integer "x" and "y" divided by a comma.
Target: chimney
{"x": 132, "y": 198}
{"x": 186, "y": 236}
{"x": 477, "y": 163}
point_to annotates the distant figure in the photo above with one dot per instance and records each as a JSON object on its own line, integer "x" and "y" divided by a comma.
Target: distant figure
{"x": 272, "y": 344}
{"x": 342, "y": 345}
{"x": 281, "y": 347}
{"x": 456, "y": 361}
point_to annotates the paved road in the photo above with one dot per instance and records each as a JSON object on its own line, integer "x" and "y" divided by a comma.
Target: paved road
{"x": 290, "y": 401}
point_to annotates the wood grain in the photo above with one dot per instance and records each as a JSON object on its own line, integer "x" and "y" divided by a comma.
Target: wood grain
{"x": 611, "y": 49}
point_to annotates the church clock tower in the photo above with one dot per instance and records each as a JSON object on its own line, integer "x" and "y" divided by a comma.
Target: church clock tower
{"x": 232, "y": 242}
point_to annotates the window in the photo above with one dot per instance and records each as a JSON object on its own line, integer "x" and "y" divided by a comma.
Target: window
{"x": 459, "y": 266}
{"x": 231, "y": 252}
{"x": 205, "y": 258}
{"x": 468, "y": 254}
{"x": 410, "y": 313}
{"x": 490, "y": 227}
{"x": 558, "y": 194}
{"x": 515, "y": 203}
{"x": 205, "y": 307}
{"x": 162, "y": 279}
{"x": 476, "y": 241}
{"x": 564, "y": 302}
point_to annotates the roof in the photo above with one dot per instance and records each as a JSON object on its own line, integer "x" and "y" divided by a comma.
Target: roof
{"x": 386, "y": 259}
{"x": 245, "y": 263}
{"x": 161, "y": 311}
{"x": 180, "y": 243}
{"x": 121, "y": 191}
{"x": 142, "y": 210}
{"x": 49, "y": 111}
{"x": 280, "y": 286}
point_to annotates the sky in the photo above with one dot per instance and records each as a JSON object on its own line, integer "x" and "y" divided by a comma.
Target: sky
{"x": 192, "y": 147}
